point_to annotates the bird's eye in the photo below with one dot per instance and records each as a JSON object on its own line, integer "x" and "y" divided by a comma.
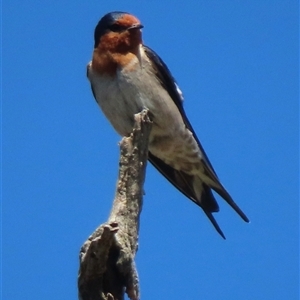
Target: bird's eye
{"x": 116, "y": 27}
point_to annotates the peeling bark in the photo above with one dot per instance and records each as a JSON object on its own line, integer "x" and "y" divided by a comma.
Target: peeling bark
{"x": 107, "y": 267}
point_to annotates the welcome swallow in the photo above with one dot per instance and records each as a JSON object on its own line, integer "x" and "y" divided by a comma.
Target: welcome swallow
{"x": 126, "y": 76}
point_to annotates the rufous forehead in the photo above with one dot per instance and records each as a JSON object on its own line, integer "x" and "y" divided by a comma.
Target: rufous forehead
{"x": 128, "y": 20}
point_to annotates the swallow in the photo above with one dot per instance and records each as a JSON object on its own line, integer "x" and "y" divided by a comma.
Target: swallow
{"x": 126, "y": 76}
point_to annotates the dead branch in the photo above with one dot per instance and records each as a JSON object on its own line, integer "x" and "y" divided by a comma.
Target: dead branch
{"x": 107, "y": 267}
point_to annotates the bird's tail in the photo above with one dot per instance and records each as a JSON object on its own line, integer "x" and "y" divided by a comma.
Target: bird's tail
{"x": 206, "y": 200}
{"x": 198, "y": 189}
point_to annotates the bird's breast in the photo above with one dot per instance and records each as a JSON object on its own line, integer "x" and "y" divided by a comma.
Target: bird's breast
{"x": 117, "y": 100}
{"x": 131, "y": 90}
{"x": 128, "y": 92}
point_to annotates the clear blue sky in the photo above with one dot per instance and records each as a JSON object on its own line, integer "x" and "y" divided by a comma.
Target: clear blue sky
{"x": 237, "y": 65}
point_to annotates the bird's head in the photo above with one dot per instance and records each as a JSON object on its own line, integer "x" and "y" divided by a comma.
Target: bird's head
{"x": 118, "y": 32}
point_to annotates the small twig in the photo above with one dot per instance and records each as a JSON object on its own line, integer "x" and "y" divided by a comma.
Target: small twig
{"x": 107, "y": 267}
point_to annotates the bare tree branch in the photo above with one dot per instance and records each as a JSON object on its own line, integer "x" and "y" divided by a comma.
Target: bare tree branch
{"x": 107, "y": 267}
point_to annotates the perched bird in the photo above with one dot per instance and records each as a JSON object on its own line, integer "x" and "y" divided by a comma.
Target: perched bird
{"x": 126, "y": 76}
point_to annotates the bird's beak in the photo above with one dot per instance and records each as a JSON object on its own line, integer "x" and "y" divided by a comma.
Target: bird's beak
{"x": 135, "y": 26}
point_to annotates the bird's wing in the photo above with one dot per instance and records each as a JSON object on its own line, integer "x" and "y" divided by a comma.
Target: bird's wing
{"x": 169, "y": 83}
{"x": 179, "y": 179}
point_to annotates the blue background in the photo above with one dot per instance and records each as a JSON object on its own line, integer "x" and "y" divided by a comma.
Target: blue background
{"x": 237, "y": 65}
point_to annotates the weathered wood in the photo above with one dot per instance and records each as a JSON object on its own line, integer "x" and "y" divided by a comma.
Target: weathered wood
{"x": 107, "y": 267}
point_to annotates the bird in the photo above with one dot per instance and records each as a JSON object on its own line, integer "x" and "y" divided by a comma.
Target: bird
{"x": 127, "y": 76}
